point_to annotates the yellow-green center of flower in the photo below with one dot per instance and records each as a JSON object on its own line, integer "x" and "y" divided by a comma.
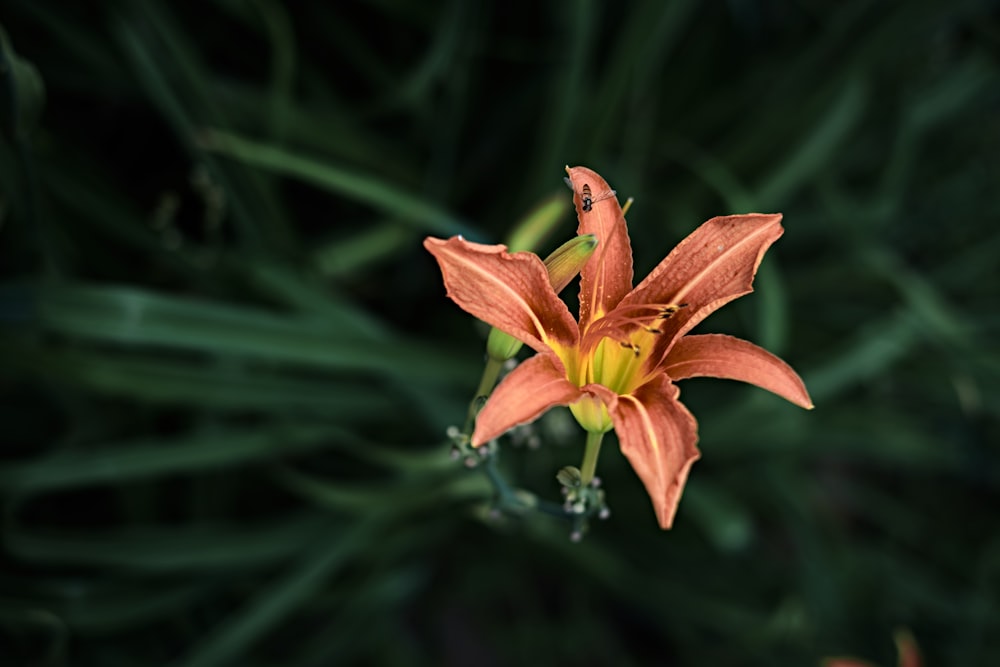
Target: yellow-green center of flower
{"x": 616, "y": 363}
{"x": 618, "y": 360}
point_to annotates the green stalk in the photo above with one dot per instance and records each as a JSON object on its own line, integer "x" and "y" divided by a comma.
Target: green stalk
{"x": 589, "y": 466}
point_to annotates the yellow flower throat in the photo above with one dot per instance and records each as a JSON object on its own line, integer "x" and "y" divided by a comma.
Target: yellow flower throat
{"x": 618, "y": 361}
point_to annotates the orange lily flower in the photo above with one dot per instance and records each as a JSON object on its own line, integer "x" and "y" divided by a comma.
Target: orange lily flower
{"x": 615, "y": 366}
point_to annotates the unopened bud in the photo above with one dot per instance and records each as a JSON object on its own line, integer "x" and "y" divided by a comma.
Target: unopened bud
{"x": 569, "y": 477}
{"x": 501, "y": 346}
{"x": 566, "y": 261}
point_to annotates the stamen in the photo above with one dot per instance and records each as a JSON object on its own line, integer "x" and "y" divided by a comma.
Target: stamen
{"x": 623, "y": 321}
{"x": 641, "y": 319}
{"x": 631, "y": 346}
{"x": 666, "y": 312}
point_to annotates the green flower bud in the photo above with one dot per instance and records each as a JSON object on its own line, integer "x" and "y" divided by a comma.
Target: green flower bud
{"x": 501, "y": 346}
{"x": 566, "y": 262}
{"x": 569, "y": 477}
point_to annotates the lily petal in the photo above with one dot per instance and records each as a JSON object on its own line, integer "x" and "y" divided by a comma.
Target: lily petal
{"x": 658, "y": 436}
{"x": 721, "y": 356}
{"x": 536, "y": 385}
{"x": 607, "y": 277}
{"x": 715, "y": 264}
{"x": 508, "y": 291}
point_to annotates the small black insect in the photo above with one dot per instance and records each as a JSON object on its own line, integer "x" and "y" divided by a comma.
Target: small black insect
{"x": 587, "y": 198}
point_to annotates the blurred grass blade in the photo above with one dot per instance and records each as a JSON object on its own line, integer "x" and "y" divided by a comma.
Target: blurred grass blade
{"x": 538, "y": 224}
{"x": 204, "y": 385}
{"x": 772, "y": 307}
{"x": 425, "y": 489}
{"x": 639, "y": 57}
{"x": 141, "y": 459}
{"x": 375, "y": 243}
{"x": 277, "y": 23}
{"x": 568, "y": 92}
{"x": 184, "y": 549}
{"x": 314, "y": 300}
{"x": 816, "y": 151}
{"x": 290, "y": 589}
{"x": 180, "y": 87}
{"x": 366, "y": 189}
{"x": 871, "y": 353}
{"x": 105, "y": 607}
{"x": 727, "y": 524}
{"x": 22, "y": 93}
{"x": 924, "y": 299}
{"x": 138, "y": 317}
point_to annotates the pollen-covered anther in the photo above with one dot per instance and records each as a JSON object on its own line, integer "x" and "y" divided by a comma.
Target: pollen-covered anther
{"x": 653, "y": 330}
{"x": 666, "y": 312}
{"x": 631, "y": 346}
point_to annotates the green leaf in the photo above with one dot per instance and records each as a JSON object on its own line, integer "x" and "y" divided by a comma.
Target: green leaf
{"x": 154, "y": 457}
{"x": 191, "y": 548}
{"x": 338, "y": 179}
{"x": 137, "y": 317}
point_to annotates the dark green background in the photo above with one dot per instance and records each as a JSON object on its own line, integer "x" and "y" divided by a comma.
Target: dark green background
{"x": 228, "y": 365}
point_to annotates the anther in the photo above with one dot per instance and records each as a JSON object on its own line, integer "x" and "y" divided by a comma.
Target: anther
{"x": 631, "y": 346}
{"x": 667, "y": 311}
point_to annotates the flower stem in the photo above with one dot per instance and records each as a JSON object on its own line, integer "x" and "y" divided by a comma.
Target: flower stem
{"x": 589, "y": 465}
{"x": 486, "y": 384}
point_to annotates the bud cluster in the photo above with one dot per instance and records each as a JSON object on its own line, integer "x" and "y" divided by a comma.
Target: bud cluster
{"x": 580, "y": 500}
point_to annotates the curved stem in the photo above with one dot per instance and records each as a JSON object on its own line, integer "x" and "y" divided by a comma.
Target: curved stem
{"x": 589, "y": 465}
